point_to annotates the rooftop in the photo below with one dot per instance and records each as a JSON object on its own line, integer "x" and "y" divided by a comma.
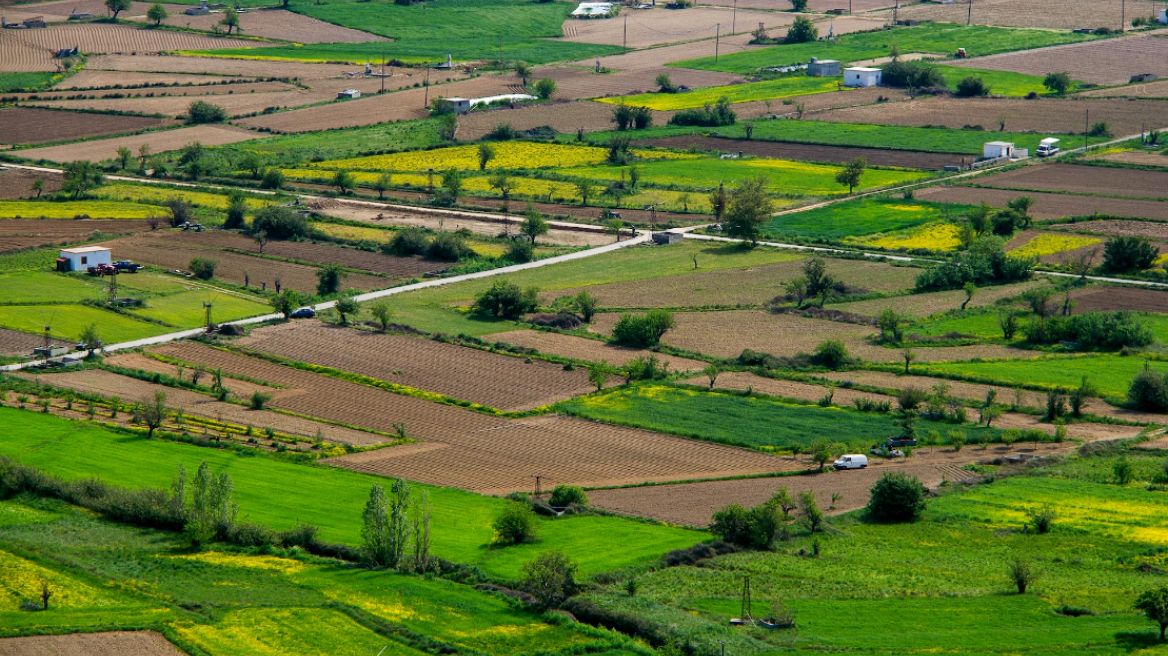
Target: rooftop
{"x": 85, "y": 249}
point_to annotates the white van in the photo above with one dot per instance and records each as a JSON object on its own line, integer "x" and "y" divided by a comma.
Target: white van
{"x": 1048, "y": 147}
{"x": 851, "y": 461}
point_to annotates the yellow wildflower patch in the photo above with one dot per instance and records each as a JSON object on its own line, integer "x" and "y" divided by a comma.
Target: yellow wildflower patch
{"x": 508, "y": 155}
{"x": 1048, "y": 244}
{"x": 270, "y": 563}
{"x": 94, "y": 209}
{"x": 933, "y": 236}
{"x": 22, "y": 579}
{"x": 159, "y": 195}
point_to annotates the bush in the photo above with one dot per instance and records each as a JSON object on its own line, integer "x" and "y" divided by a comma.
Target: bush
{"x": 502, "y": 132}
{"x": 645, "y": 367}
{"x": 1122, "y": 254}
{"x": 643, "y": 330}
{"x": 912, "y": 74}
{"x": 566, "y": 495}
{"x": 551, "y": 578}
{"x": 1057, "y": 82}
{"x": 897, "y": 498}
{"x": 515, "y": 523}
{"x": 718, "y": 115}
{"x": 975, "y": 267}
{"x": 1092, "y": 330}
{"x": 755, "y": 528}
{"x": 272, "y": 179}
{"x": 832, "y": 353}
{"x": 520, "y": 251}
{"x": 449, "y": 247}
{"x": 802, "y": 31}
{"x": 203, "y": 267}
{"x": 204, "y": 112}
{"x": 408, "y": 241}
{"x": 280, "y": 223}
{"x": 1042, "y": 518}
{"x": 1148, "y": 391}
{"x": 972, "y": 87}
{"x": 506, "y": 300}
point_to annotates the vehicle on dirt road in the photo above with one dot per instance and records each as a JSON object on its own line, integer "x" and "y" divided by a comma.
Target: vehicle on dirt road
{"x": 851, "y": 461}
{"x": 303, "y": 313}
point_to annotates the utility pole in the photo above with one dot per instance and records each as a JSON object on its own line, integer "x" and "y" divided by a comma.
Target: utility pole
{"x": 382, "y": 71}
{"x": 969, "y": 14}
{"x": 500, "y": 50}
{"x": 427, "y": 88}
{"x": 1122, "y": 15}
{"x": 625, "y": 45}
{"x": 1087, "y": 131}
{"x": 538, "y": 490}
{"x": 734, "y": 18}
{"x": 717, "y": 35}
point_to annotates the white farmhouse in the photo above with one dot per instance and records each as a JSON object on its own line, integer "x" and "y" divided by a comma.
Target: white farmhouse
{"x": 862, "y": 76}
{"x": 80, "y": 259}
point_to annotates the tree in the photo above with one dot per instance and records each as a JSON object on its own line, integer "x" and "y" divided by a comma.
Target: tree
{"x": 157, "y": 13}
{"x": 802, "y": 31}
{"x": 117, "y": 6}
{"x": 1154, "y": 604}
{"x": 1122, "y": 469}
{"x": 1008, "y": 322}
{"x": 382, "y": 184}
{"x": 38, "y": 185}
{"x": 1122, "y": 254}
{"x": 584, "y": 189}
{"x": 448, "y": 126}
{"x": 644, "y": 330}
{"x": 533, "y": 226}
{"x": 81, "y": 177}
{"x": 586, "y": 305}
{"x": 522, "y": 71}
{"x": 344, "y": 182}
{"x": 566, "y": 495}
{"x": 345, "y": 307}
{"x": 1057, "y": 83}
{"x": 832, "y": 353}
{"x": 515, "y": 523}
{"x": 261, "y": 238}
{"x": 47, "y": 594}
{"x": 329, "y": 278}
{"x": 236, "y": 211}
{"x": 286, "y": 302}
{"x": 851, "y": 173}
{"x": 503, "y": 183}
{"x": 203, "y": 267}
{"x": 505, "y": 299}
{"x": 909, "y": 355}
{"x": 382, "y": 313}
{"x": 550, "y": 578}
{"x": 545, "y": 88}
{"x": 810, "y": 514}
{"x": 272, "y": 179}
{"x": 230, "y": 20}
{"x": 486, "y": 153}
{"x": 972, "y": 86}
{"x": 278, "y": 222}
{"x": 889, "y": 322}
{"x": 598, "y": 376}
{"x": 153, "y": 412}
{"x": 375, "y": 533}
{"x": 712, "y": 372}
{"x": 719, "y": 198}
{"x": 1021, "y": 208}
{"x": 749, "y": 207}
{"x": 124, "y": 156}
{"x": 799, "y": 5}
{"x": 144, "y": 152}
{"x": 452, "y": 184}
{"x": 1021, "y": 574}
{"x": 614, "y": 227}
{"x": 90, "y": 337}
{"x": 204, "y": 112}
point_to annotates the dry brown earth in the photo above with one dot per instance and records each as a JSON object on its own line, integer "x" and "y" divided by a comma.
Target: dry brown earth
{"x": 815, "y": 6}
{"x": 23, "y": 125}
{"x": 270, "y": 23}
{"x": 1157, "y": 89}
{"x": 1150, "y": 229}
{"x": 121, "y": 643}
{"x": 1051, "y": 14}
{"x": 1050, "y": 206}
{"x": 1108, "y": 61}
{"x": 809, "y": 153}
{"x": 1114, "y": 299}
{"x": 161, "y": 141}
{"x": 588, "y": 349}
{"x": 90, "y": 78}
{"x": 654, "y": 59}
{"x": 23, "y": 233}
{"x": 925, "y": 305}
{"x": 1104, "y": 181}
{"x": 148, "y": 63}
{"x": 18, "y": 343}
{"x": 1143, "y": 158}
{"x": 1043, "y": 115}
{"x": 17, "y": 183}
{"x": 564, "y": 117}
{"x": 499, "y": 381}
{"x": 726, "y": 334}
{"x": 659, "y": 26}
{"x": 67, "y": 97}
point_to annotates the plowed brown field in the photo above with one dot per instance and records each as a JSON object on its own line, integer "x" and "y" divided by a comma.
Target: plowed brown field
{"x": 491, "y": 379}
{"x": 23, "y": 125}
{"x": 272, "y": 23}
{"x": 1099, "y": 180}
{"x": 162, "y": 141}
{"x": 17, "y": 343}
{"x": 170, "y": 64}
{"x": 1042, "y": 115}
{"x": 1050, "y": 206}
{"x": 159, "y": 251}
{"x": 751, "y": 286}
{"x": 655, "y": 59}
{"x": 1051, "y": 14}
{"x": 660, "y": 26}
{"x": 90, "y": 78}
{"x": 17, "y": 183}
{"x": 1108, "y": 61}
{"x": 816, "y": 6}
{"x": 564, "y": 117}
{"x": 22, "y": 233}
{"x": 588, "y": 349}
{"x": 55, "y": 98}
{"x": 122, "y": 643}
{"x": 924, "y": 305}
{"x": 1149, "y": 229}
{"x": 809, "y": 153}
{"x": 727, "y": 334}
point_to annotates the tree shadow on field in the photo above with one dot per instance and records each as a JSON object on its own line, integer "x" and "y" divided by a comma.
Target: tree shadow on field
{"x": 728, "y": 249}
{"x": 1137, "y": 640}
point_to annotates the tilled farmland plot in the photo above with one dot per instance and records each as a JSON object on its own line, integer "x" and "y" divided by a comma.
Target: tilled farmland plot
{"x": 1051, "y": 14}
{"x": 1108, "y": 61}
{"x": 162, "y": 252}
{"x": 22, "y": 233}
{"x": 578, "y": 83}
{"x": 491, "y": 379}
{"x": 727, "y": 334}
{"x": 588, "y": 349}
{"x": 162, "y": 141}
{"x": 25, "y": 125}
{"x": 1157, "y": 89}
{"x": 1061, "y": 116}
{"x": 17, "y": 183}
{"x": 564, "y": 117}
{"x": 92, "y": 79}
{"x": 1050, "y": 206}
{"x": 1118, "y": 228}
{"x": 925, "y": 305}
{"x": 123, "y": 643}
{"x": 13, "y": 342}
{"x": 750, "y": 286}
{"x": 216, "y": 66}
{"x": 809, "y": 153}
{"x": 655, "y": 59}
{"x": 145, "y": 96}
{"x": 1081, "y": 179}
{"x": 276, "y": 23}
{"x": 390, "y": 265}
{"x": 654, "y": 27}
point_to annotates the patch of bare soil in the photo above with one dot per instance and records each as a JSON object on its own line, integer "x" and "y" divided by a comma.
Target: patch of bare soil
{"x": 17, "y": 343}
{"x": 1103, "y": 181}
{"x": 659, "y": 26}
{"x": 272, "y": 23}
{"x": 148, "y": 63}
{"x": 17, "y": 183}
{"x": 1107, "y": 61}
{"x": 25, "y": 125}
{"x": 655, "y": 59}
{"x": 91, "y": 79}
{"x": 565, "y": 117}
{"x": 123, "y": 643}
{"x": 925, "y": 305}
{"x": 1050, "y": 14}
{"x": 808, "y": 152}
{"x": 1157, "y": 89}
{"x": 1141, "y": 157}
{"x": 1050, "y": 206}
{"x": 1114, "y": 299}
{"x": 1119, "y": 228}
{"x": 588, "y": 349}
{"x": 24, "y": 233}
{"x": 162, "y": 141}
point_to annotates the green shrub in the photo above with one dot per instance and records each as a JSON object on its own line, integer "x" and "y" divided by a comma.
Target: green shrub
{"x": 912, "y": 74}
{"x": 1148, "y": 391}
{"x": 449, "y": 247}
{"x": 1121, "y": 254}
{"x": 408, "y": 241}
{"x": 515, "y": 523}
{"x": 643, "y": 330}
{"x": 280, "y": 223}
{"x": 1092, "y": 330}
{"x": 203, "y": 267}
{"x": 520, "y": 251}
{"x": 204, "y": 112}
{"x": 718, "y": 115}
{"x": 832, "y": 353}
{"x": 506, "y": 300}
{"x": 972, "y": 87}
{"x": 566, "y": 495}
{"x": 974, "y": 267}
{"x": 897, "y": 498}
{"x": 802, "y": 31}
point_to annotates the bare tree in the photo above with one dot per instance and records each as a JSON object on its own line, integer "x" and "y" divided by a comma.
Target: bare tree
{"x": 153, "y": 412}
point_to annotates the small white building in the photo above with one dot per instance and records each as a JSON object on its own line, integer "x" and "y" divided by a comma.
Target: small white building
{"x": 463, "y": 105}
{"x": 862, "y": 76}
{"x": 823, "y": 67}
{"x": 80, "y": 259}
{"x": 349, "y": 93}
{"x": 997, "y": 149}
{"x": 592, "y": 9}
{"x": 1163, "y": 17}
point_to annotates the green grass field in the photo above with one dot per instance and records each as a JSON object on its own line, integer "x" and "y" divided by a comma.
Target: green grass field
{"x": 186, "y": 309}
{"x": 1112, "y": 373}
{"x": 1004, "y": 83}
{"x": 19, "y": 81}
{"x": 750, "y": 422}
{"x": 69, "y": 321}
{"x": 942, "y": 38}
{"x": 337, "y": 144}
{"x": 280, "y": 494}
{"x": 799, "y": 85}
{"x": 44, "y": 286}
{"x": 860, "y": 217}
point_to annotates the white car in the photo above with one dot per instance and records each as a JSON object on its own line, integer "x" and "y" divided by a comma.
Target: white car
{"x": 851, "y": 461}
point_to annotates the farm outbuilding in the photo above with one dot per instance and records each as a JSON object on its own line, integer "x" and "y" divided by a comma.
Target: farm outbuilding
{"x": 823, "y": 67}
{"x": 862, "y": 76}
{"x": 997, "y": 149}
{"x": 349, "y": 93}
{"x": 79, "y": 259}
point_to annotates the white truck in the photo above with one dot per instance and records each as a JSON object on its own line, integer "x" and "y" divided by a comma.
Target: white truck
{"x": 1048, "y": 147}
{"x": 851, "y": 461}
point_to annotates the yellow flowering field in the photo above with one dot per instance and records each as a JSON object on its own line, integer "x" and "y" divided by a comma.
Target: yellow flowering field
{"x": 508, "y": 155}
{"x": 933, "y": 236}
{"x": 281, "y": 631}
{"x": 158, "y": 195}
{"x": 268, "y": 563}
{"x": 1049, "y": 244}
{"x": 95, "y": 209}
{"x": 22, "y": 579}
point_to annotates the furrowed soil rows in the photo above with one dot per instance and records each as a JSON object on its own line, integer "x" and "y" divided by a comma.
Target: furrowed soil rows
{"x": 815, "y": 6}
{"x": 390, "y": 265}
{"x": 210, "y": 66}
{"x": 124, "y": 643}
{"x": 1137, "y": 157}
{"x": 24, "y": 125}
{"x": 1118, "y": 228}
{"x": 588, "y": 349}
{"x": 654, "y": 59}
{"x": 1085, "y": 179}
{"x": 89, "y": 79}
{"x": 743, "y": 380}
{"x": 810, "y": 153}
{"x": 22, "y": 233}
{"x": 491, "y": 379}
{"x": 751, "y": 286}
{"x": 576, "y": 83}
{"x": 18, "y": 343}
{"x": 1042, "y": 115}
{"x": 925, "y": 305}
{"x": 564, "y": 117}
{"x": 656, "y": 27}
{"x": 17, "y": 183}
{"x": 1050, "y": 206}
{"x": 1051, "y": 14}
{"x": 274, "y": 23}
{"x": 162, "y": 252}
{"x": 1114, "y": 299}
{"x": 1108, "y": 61}
{"x": 727, "y": 334}
{"x": 1144, "y": 90}
{"x": 28, "y": 48}
{"x": 49, "y": 98}
{"x": 99, "y": 149}
{"x": 131, "y": 390}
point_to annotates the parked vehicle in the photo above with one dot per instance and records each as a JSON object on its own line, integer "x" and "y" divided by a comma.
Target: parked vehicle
{"x": 127, "y": 266}
{"x": 102, "y": 270}
{"x": 851, "y": 461}
{"x": 1048, "y": 147}
{"x": 303, "y": 313}
{"x": 894, "y": 442}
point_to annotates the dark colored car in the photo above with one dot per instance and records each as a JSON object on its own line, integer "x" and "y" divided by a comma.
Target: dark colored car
{"x": 303, "y": 313}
